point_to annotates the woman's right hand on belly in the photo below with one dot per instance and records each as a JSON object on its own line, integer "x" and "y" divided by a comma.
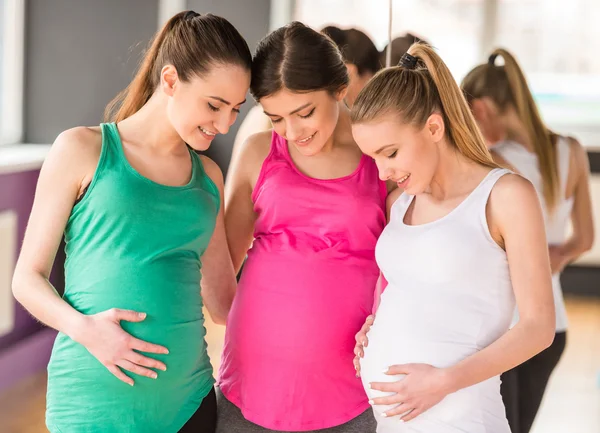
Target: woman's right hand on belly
{"x": 101, "y": 334}
{"x": 361, "y": 342}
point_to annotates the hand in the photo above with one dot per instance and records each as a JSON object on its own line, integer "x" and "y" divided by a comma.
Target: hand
{"x": 361, "y": 342}
{"x": 104, "y": 338}
{"x": 558, "y": 260}
{"x": 423, "y": 387}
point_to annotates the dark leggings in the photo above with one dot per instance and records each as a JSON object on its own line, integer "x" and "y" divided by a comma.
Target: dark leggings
{"x": 204, "y": 419}
{"x": 523, "y": 387}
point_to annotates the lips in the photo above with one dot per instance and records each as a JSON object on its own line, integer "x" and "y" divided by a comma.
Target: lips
{"x": 209, "y": 135}
{"x": 305, "y": 140}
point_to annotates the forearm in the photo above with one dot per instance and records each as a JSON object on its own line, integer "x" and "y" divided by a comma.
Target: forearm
{"x": 40, "y": 298}
{"x": 525, "y": 340}
{"x": 575, "y": 247}
{"x": 217, "y": 298}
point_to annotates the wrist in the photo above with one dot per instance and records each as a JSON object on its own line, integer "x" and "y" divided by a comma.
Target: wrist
{"x": 449, "y": 382}
{"x": 75, "y": 327}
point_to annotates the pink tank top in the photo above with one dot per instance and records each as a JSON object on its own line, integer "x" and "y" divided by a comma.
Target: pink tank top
{"x": 306, "y": 289}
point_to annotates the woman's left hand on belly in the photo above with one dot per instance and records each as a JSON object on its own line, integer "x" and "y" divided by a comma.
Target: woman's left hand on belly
{"x": 422, "y": 387}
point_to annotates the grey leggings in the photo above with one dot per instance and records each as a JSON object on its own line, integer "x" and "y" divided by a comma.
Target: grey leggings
{"x": 231, "y": 420}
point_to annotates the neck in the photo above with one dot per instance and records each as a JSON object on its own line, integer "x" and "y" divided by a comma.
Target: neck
{"x": 342, "y": 132}
{"x": 516, "y": 131}
{"x": 150, "y": 127}
{"x": 451, "y": 173}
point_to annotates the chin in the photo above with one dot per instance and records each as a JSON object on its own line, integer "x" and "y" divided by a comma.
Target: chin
{"x": 199, "y": 145}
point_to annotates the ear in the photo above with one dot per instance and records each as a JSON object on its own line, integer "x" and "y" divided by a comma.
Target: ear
{"x": 480, "y": 110}
{"x": 168, "y": 79}
{"x": 352, "y": 70}
{"x": 341, "y": 94}
{"x": 436, "y": 127}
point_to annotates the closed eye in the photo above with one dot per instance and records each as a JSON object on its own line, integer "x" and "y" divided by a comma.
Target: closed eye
{"x": 311, "y": 112}
{"x": 212, "y": 107}
{"x": 393, "y": 154}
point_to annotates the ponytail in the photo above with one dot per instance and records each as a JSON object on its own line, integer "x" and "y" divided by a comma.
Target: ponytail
{"x": 506, "y": 85}
{"x": 192, "y": 43}
{"x": 420, "y": 86}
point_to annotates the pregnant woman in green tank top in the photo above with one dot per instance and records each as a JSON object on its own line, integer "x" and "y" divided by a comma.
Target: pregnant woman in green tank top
{"x": 142, "y": 215}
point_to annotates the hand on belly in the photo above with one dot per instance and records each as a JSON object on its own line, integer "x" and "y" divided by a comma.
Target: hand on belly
{"x": 408, "y": 390}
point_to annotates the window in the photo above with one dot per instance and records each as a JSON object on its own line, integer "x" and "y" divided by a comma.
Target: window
{"x": 555, "y": 42}
{"x": 12, "y": 22}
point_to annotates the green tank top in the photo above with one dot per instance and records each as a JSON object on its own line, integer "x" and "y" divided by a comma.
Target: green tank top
{"x": 134, "y": 244}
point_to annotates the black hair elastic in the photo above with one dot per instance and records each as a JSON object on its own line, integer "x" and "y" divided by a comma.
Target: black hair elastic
{"x": 492, "y": 59}
{"x": 189, "y": 15}
{"x": 407, "y": 61}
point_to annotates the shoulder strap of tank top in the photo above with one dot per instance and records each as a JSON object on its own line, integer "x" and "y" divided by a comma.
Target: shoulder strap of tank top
{"x": 563, "y": 155}
{"x": 482, "y": 196}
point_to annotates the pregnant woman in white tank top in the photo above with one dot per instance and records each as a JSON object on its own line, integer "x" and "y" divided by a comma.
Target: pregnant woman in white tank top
{"x": 464, "y": 241}
{"x": 558, "y": 169}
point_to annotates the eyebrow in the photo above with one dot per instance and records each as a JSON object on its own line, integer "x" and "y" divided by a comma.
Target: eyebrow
{"x": 381, "y": 149}
{"x": 225, "y": 101}
{"x": 293, "y": 112}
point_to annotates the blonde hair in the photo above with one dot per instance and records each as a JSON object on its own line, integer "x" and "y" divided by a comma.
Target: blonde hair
{"x": 506, "y": 85}
{"x": 417, "y": 92}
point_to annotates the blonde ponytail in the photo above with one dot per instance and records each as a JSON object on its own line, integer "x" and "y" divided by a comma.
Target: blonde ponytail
{"x": 418, "y": 88}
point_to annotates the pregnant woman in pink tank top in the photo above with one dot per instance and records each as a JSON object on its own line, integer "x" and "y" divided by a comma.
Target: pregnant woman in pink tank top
{"x": 306, "y": 207}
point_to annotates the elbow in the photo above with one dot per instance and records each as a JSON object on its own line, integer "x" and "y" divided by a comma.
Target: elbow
{"x": 547, "y": 336}
{"x": 17, "y": 286}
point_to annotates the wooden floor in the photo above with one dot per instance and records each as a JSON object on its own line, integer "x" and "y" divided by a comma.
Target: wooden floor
{"x": 572, "y": 403}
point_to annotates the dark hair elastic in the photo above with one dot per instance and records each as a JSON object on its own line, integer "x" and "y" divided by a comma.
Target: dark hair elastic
{"x": 190, "y": 15}
{"x": 492, "y": 59}
{"x": 407, "y": 61}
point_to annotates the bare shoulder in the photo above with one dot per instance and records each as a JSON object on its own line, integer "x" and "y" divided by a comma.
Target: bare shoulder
{"x": 391, "y": 199}
{"x": 248, "y": 160}
{"x": 257, "y": 146}
{"x": 512, "y": 190}
{"x": 212, "y": 170}
{"x": 578, "y": 152}
{"x": 77, "y": 150}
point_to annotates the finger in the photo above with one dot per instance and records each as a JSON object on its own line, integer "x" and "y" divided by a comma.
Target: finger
{"x": 365, "y": 341}
{"x": 412, "y": 415}
{"x": 144, "y": 361}
{"x": 399, "y": 369}
{"x": 384, "y": 386}
{"x": 389, "y": 400}
{"x": 401, "y": 409}
{"x": 116, "y": 371}
{"x": 144, "y": 346}
{"x": 358, "y": 351}
{"x": 128, "y": 315}
{"x": 140, "y": 371}
{"x": 357, "y": 367}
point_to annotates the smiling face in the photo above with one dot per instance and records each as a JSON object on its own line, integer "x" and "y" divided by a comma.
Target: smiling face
{"x": 306, "y": 120}
{"x": 203, "y": 107}
{"x": 406, "y": 154}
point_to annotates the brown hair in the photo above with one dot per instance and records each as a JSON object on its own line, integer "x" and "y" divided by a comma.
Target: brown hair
{"x": 418, "y": 90}
{"x": 297, "y": 58}
{"x": 400, "y": 45}
{"x": 191, "y": 42}
{"x": 507, "y": 87}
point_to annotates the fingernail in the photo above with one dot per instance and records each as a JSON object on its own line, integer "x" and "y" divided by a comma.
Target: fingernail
{"x": 154, "y": 375}
{"x": 401, "y": 421}
{"x": 131, "y": 383}
{"x": 164, "y": 368}
{"x": 385, "y": 370}
{"x": 142, "y": 314}
{"x": 384, "y": 415}
{"x": 369, "y": 385}
{"x": 371, "y": 402}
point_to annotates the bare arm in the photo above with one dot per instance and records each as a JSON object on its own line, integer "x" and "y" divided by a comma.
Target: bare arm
{"x": 239, "y": 208}
{"x": 66, "y": 171}
{"x": 218, "y": 278}
{"x": 582, "y": 237}
{"x": 515, "y": 215}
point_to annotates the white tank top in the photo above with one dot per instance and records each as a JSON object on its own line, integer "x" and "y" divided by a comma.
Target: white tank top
{"x": 526, "y": 163}
{"x": 449, "y": 296}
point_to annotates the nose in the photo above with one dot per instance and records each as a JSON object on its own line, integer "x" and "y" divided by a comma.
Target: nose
{"x": 385, "y": 173}
{"x": 293, "y": 132}
{"x": 224, "y": 122}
